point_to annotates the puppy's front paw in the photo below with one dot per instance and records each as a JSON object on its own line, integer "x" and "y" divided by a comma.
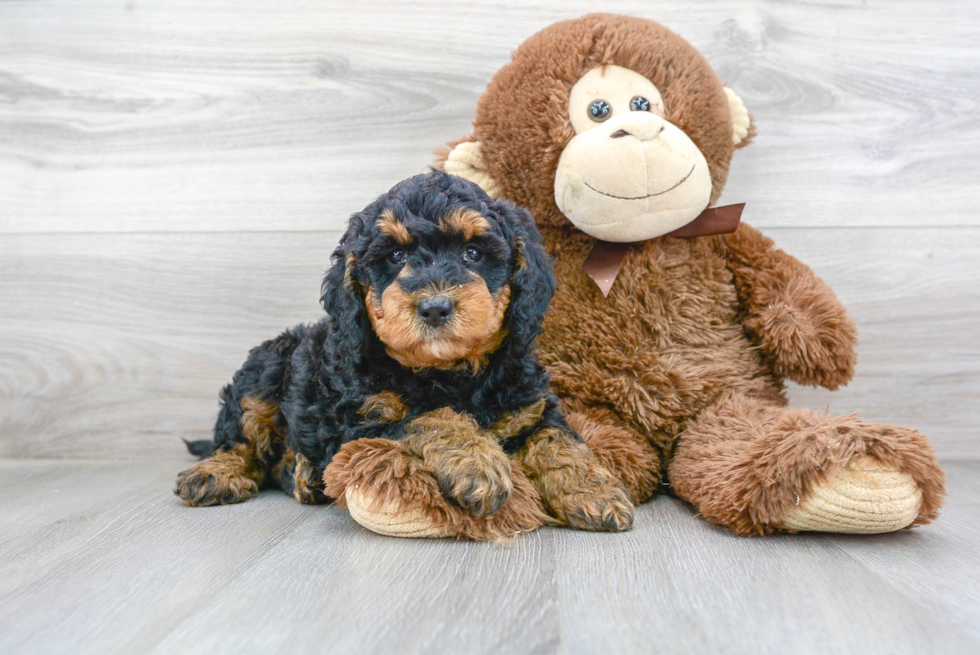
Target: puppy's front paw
{"x": 470, "y": 466}
{"x": 201, "y": 488}
{"x": 477, "y": 478}
{"x": 575, "y": 488}
{"x": 222, "y": 479}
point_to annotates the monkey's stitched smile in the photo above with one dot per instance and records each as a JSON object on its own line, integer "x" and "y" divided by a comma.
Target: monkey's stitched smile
{"x": 651, "y": 195}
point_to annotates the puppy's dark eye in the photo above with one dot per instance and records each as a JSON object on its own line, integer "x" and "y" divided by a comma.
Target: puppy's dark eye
{"x": 639, "y": 103}
{"x": 397, "y": 256}
{"x": 599, "y": 110}
{"x": 472, "y": 254}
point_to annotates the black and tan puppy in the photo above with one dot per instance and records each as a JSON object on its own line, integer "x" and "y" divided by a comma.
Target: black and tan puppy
{"x": 435, "y": 299}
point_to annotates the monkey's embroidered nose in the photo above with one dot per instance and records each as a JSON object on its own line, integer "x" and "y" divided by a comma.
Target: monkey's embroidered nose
{"x": 644, "y": 126}
{"x": 435, "y": 310}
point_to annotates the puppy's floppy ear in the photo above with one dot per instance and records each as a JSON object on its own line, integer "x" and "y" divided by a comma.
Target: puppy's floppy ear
{"x": 533, "y": 282}
{"x": 343, "y": 297}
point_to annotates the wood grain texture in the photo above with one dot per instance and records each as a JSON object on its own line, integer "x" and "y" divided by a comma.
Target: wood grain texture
{"x": 245, "y": 115}
{"x": 99, "y": 557}
{"x": 116, "y": 345}
{"x": 173, "y": 176}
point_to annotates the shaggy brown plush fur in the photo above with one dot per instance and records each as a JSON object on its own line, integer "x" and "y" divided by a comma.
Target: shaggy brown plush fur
{"x": 689, "y": 351}
{"x": 391, "y": 477}
{"x": 802, "y": 328}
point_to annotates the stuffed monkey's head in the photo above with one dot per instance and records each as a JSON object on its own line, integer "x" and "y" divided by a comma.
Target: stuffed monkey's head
{"x": 612, "y": 123}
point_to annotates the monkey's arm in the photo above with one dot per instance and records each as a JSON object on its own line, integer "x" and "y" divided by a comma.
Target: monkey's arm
{"x": 789, "y": 312}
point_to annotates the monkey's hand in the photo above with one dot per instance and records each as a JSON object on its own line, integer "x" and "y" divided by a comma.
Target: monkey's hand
{"x": 806, "y": 333}
{"x": 795, "y": 318}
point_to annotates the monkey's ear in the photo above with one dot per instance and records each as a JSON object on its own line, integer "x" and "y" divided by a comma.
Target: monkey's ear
{"x": 465, "y": 159}
{"x": 743, "y": 130}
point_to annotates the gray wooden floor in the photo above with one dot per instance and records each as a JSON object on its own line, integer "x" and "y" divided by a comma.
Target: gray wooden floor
{"x": 99, "y": 557}
{"x": 173, "y": 177}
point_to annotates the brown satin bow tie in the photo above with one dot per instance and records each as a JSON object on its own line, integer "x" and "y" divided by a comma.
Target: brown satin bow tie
{"x": 606, "y": 259}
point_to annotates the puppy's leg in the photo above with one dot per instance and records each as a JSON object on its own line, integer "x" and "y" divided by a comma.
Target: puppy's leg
{"x": 575, "y": 488}
{"x": 469, "y": 465}
{"x": 296, "y": 475}
{"x": 239, "y": 467}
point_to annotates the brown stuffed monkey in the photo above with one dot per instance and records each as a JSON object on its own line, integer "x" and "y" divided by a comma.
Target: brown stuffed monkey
{"x": 614, "y": 129}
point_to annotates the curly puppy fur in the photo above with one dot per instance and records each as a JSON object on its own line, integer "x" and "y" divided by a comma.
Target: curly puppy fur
{"x": 461, "y": 392}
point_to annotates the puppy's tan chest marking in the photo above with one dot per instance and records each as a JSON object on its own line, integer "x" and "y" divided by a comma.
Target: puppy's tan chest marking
{"x": 385, "y": 406}
{"x": 512, "y": 423}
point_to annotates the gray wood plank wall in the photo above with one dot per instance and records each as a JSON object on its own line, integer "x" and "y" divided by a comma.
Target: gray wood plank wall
{"x": 174, "y": 175}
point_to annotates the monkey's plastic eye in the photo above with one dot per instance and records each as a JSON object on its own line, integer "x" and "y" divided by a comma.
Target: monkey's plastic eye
{"x": 397, "y": 256}
{"x": 639, "y": 103}
{"x": 472, "y": 254}
{"x": 599, "y": 110}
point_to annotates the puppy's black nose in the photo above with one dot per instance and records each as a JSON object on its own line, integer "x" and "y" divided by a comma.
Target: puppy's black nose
{"x": 435, "y": 310}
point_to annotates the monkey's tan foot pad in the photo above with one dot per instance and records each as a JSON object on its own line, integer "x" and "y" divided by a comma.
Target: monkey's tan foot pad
{"x": 390, "y": 520}
{"x": 864, "y": 497}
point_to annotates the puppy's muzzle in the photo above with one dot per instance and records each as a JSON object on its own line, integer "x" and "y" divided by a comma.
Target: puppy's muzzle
{"x": 436, "y": 310}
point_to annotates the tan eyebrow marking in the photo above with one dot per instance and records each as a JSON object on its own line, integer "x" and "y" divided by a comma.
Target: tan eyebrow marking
{"x": 392, "y": 227}
{"x": 467, "y": 222}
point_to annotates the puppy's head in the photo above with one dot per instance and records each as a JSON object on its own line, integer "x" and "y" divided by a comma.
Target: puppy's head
{"x": 441, "y": 274}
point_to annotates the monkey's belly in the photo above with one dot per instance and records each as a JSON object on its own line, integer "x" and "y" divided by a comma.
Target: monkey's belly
{"x": 663, "y": 345}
